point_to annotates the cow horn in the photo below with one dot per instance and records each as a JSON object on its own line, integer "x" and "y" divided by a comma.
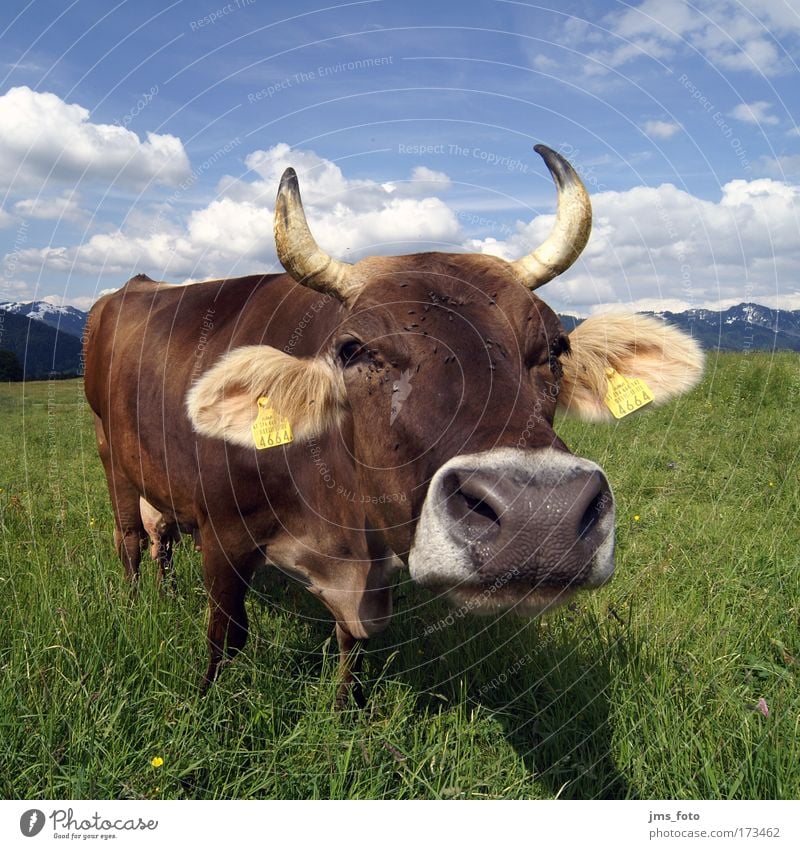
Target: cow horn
{"x": 570, "y": 232}
{"x": 299, "y": 254}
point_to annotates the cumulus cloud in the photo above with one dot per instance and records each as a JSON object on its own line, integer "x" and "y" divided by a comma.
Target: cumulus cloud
{"x": 664, "y": 243}
{"x": 754, "y": 113}
{"x": 661, "y": 129}
{"x": 350, "y": 218}
{"x": 46, "y": 140}
{"x": 322, "y": 182}
{"x": 6, "y": 220}
{"x": 648, "y": 243}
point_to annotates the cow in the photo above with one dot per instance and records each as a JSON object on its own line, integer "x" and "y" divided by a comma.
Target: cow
{"x": 341, "y": 421}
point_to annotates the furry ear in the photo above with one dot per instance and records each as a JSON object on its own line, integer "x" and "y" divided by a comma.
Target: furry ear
{"x": 224, "y": 401}
{"x": 669, "y": 361}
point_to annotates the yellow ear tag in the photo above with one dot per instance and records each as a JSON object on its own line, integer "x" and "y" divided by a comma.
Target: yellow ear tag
{"x": 625, "y": 395}
{"x": 268, "y": 430}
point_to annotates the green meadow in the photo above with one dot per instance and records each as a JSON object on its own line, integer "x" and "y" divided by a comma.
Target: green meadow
{"x": 680, "y": 679}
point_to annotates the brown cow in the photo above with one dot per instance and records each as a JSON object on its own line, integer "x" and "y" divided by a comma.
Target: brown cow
{"x": 420, "y": 391}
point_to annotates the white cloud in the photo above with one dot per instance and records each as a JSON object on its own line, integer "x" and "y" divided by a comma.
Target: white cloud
{"x": 648, "y": 243}
{"x": 45, "y": 140}
{"x": 544, "y": 62}
{"x": 350, "y": 218}
{"x": 6, "y": 220}
{"x": 14, "y": 290}
{"x": 421, "y": 174}
{"x": 322, "y": 183}
{"x": 63, "y": 206}
{"x": 783, "y": 167}
{"x": 82, "y": 302}
{"x": 626, "y": 52}
{"x": 663, "y": 243}
{"x": 731, "y": 36}
{"x": 754, "y": 113}
{"x": 660, "y": 129}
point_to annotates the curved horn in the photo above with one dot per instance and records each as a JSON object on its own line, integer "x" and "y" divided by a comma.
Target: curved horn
{"x": 571, "y": 230}
{"x": 299, "y": 254}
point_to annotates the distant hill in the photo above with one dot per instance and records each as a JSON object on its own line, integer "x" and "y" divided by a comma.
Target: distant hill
{"x": 741, "y": 328}
{"x": 40, "y": 349}
{"x": 745, "y": 327}
{"x": 570, "y": 322}
{"x": 67, "y": 319}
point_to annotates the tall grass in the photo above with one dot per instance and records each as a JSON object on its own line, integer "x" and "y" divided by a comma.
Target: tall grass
{"x": 647, "y": 688}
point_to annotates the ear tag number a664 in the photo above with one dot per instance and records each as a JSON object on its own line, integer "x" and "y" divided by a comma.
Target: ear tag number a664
{"x": 625, "y": 395}
{"x": 268, "y": 430}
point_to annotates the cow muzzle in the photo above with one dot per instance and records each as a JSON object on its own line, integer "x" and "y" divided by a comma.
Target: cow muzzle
{"x": 513, "y": 528}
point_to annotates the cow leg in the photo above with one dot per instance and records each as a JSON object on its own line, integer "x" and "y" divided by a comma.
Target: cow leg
{"x": 357, "y": 592}
{"x": 361, "y": 602}
{"x": 128, "y": 528}
{"x": 167, "y": 579}
{"x": 129, "y": 533}
{"x": 226, "y": 583}
{"x": 350, "y": 656}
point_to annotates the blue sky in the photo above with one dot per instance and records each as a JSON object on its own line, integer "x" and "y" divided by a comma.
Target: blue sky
{"x": 149, "y": 137}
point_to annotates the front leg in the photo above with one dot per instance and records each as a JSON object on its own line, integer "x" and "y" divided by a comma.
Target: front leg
{"x": 227, "y": 579}
{"x": 356, "y": 589}
{"x": 350, "y": 658}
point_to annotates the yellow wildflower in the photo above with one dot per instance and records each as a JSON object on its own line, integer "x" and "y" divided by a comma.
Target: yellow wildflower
{"x": 157, "y": 762}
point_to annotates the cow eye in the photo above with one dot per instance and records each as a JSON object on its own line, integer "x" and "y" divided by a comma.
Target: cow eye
{"x": 350, "y": 352}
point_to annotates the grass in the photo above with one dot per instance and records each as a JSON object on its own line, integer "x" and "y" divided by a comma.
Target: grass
{"x": 648, "y": 688}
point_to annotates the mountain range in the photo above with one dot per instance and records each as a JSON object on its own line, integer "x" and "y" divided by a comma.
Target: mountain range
{"x": 46, "y": 339}
{"x": 66, "y": 319}
{"x": 32, "y": 349}
{"x": 744, "y": 327}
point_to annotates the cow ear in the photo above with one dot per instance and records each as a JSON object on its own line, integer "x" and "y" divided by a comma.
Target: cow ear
{"x": 223, "y": 403}
{"x": 669, "y": 361}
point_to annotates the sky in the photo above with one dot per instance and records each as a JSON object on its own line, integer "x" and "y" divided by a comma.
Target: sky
{"x": 149, "y": 137}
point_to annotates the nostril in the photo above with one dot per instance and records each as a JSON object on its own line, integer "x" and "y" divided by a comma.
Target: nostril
{"x": 593, "y": 512}
{"x": 589, "y": 518}
{"x": 479, "y": 509}
{"x": 467, "y": 506}
{"x": 479, "y": 521}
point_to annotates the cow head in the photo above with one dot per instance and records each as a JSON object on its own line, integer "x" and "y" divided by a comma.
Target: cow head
{"x": 448, "y": 371}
